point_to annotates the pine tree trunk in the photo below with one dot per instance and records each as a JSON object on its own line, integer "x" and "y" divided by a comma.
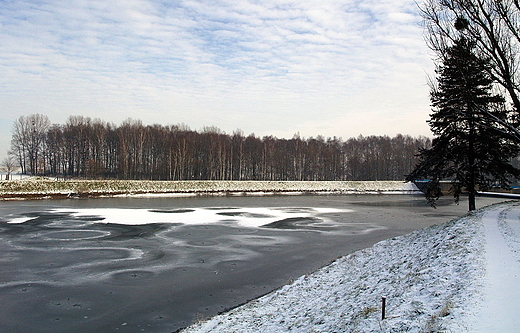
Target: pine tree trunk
{"x": 472, "y": 200}
{"x": 471, "y": 161}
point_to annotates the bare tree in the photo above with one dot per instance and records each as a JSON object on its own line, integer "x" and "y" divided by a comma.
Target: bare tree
{"x": 27, "y": 144}
{"x": 494, "y": 25}
{"x": 8, "y": 166}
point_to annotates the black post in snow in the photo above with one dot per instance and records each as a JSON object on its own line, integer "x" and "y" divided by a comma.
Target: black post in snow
{"x": 383, "y": 308}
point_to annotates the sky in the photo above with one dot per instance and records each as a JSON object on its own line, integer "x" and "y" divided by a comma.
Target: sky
{"x": 271, "y": 67}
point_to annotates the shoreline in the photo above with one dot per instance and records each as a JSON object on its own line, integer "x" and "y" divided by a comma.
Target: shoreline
{"x": 41, "y": 188}
{"x": 433, "y": 279}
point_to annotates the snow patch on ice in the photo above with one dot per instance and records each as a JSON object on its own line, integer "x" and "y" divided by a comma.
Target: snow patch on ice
{"x": 19, "y": 220}
{"x": 249, "y": 217}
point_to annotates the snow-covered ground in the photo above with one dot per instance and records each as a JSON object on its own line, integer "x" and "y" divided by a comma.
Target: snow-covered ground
{"x": 462, "y": 276}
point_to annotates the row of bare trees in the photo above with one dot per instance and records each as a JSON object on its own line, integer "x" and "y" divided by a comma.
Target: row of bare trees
{"x": 83, "y": 147}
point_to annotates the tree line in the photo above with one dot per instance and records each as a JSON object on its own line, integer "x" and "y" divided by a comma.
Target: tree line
{"x": 92, "y": 148}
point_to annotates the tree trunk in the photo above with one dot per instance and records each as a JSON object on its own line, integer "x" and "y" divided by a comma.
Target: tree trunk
{"x": 472, "y": 200}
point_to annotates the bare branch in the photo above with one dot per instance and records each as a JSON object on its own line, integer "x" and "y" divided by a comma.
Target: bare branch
{"x": 493, "y": 25}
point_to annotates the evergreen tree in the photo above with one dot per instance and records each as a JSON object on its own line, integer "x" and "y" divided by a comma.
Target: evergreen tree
{"x": 468, "y": 148}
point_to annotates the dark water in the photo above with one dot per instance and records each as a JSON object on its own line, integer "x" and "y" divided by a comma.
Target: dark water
{"x": 61, "y": 271}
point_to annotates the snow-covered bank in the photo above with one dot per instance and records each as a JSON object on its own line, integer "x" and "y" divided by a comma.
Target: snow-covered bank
{"x": 41, "y": 187}
{"x": 435, "y": 280}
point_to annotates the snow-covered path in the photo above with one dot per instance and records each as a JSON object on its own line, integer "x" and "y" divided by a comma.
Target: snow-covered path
{"x": 499, "y": 308}
{"x": 461, "y": 276}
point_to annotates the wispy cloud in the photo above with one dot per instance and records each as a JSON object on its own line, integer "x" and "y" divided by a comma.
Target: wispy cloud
{"x": 272, "y": 67}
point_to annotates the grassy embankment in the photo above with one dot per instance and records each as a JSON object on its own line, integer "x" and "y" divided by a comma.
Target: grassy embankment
{"x": 36, "y": 188}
